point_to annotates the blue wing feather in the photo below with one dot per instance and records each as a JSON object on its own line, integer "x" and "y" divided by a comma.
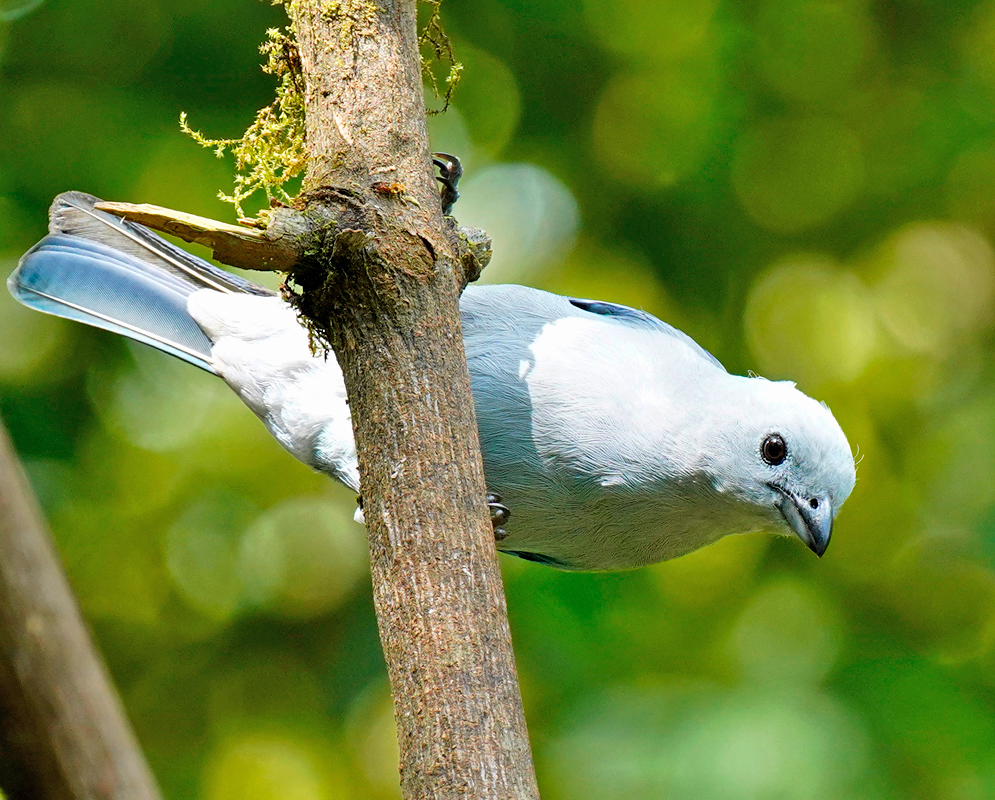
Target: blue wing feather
{"x": 85, "y": 281}
{"x": 644, "y": 319}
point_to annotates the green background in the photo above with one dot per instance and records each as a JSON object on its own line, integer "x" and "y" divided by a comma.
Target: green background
{"x": 804, "y": 187}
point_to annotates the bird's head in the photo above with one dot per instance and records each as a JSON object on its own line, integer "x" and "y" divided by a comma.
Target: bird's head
{"x": 784, "y": 454}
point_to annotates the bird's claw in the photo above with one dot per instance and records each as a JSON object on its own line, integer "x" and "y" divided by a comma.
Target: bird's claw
{"x": 450, "y": 171}
{"x": 500, "y": 514}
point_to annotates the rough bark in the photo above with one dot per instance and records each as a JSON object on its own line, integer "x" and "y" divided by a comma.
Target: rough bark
{"x": 383, "y": 287}
{"x": 63, "y": 733}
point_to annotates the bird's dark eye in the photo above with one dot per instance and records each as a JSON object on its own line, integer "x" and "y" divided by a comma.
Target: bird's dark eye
{"x": 773, "y": 449}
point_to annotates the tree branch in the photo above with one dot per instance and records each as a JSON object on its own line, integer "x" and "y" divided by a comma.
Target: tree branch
{"x": 384, "y": 289}
{"x": 278, "y": 247}
{"x": 63, "y": 734}
{"x": 273, "y": 249}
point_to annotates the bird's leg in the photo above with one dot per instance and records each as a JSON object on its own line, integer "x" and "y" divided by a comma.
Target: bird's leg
{"x": 499, "y": 515}
{"x": 450, "y": 171}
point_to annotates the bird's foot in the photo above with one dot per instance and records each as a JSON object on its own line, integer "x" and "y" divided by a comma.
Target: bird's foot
{"x": 499, "y": 515}
{"x": 450, "y": 171}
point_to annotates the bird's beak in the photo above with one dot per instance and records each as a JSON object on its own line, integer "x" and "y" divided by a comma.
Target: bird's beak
{"x": 811, "y": 518}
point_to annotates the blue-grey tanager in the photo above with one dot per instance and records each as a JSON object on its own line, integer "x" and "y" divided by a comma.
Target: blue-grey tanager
{"x": 613, "y": 438}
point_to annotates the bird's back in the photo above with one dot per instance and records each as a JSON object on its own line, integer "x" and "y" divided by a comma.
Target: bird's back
{"x": 573, "y": 407}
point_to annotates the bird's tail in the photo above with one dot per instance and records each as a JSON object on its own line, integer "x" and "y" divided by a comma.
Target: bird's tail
{"x": 113, "y": 274}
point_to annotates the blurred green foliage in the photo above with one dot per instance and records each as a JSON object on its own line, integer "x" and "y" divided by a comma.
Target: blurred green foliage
{"x": 804, "y": 187}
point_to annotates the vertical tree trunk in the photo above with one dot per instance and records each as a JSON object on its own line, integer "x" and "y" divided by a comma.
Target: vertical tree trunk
{"x": 63, "y": 734}
{"x": 384, "y": 289}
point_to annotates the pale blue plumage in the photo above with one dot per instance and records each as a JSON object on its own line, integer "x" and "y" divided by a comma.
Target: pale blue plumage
{"x": 614, "y": 439}
{"x": 88, "y": 282}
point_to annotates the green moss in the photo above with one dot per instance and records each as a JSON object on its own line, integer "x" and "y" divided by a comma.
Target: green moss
{"x": 353, "y": 17}
{"x": 433, "y": 38}
{"x": 272, "y": 151}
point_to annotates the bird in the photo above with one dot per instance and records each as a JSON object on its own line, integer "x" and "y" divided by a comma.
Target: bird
{"x": 610, "y": 439}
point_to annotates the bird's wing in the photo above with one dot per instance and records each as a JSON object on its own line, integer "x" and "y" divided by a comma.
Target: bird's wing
{"x": 573, "y": 401}
{"x": 520, "y": 313}
{"x": 638, "y": 317}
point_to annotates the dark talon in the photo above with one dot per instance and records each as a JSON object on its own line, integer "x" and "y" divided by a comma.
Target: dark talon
{"x": 450, "y": 171}
{"x": 500, "y": 514}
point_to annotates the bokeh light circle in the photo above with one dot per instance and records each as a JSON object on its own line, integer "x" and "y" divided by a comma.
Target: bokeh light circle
{"x": 650, "y": 30}
{"x": 488, "y": 99}
{"x": 792, "y": 174}
{"x": 302, "y": 557}
{"x": 809, "y": 319}
{"x": 812, "y": 51}
{"x": 693, "y": 742}
{"x": 655, "y": 127}
{"x": 937, "y": 282}
{"x": 272, "y": 766}
{"x": 530, "y": 214}
{"x": 787, "y": 634}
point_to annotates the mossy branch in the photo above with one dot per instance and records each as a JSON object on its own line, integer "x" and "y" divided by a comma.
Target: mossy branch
{"x": 273, "y": 150}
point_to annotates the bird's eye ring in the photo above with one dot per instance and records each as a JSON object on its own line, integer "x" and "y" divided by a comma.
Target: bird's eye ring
{"x": 773, "y": 449}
